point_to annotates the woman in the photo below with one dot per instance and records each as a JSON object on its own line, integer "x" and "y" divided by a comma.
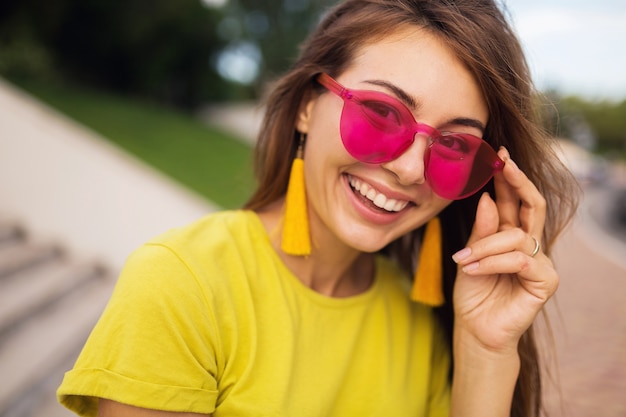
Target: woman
{"x": 386, "y": 131}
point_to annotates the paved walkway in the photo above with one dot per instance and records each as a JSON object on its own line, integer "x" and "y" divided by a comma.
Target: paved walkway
{"x": 589, "y": 320}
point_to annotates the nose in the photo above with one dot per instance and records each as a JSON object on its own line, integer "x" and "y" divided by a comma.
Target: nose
{"x": 408, "y": 168}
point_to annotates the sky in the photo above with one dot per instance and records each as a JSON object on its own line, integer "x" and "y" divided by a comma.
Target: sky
{"x": 573, "y": 46}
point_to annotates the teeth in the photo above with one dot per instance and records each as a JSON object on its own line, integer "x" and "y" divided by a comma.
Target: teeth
{"x": 380, "y": 200}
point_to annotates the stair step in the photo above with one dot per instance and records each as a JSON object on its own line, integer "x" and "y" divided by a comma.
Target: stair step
{"x": 41, "y": 399}
{"x": 43, "y": 402}
{"x": 22, "y": 255}
{"x": 50, "y": 407}
{"x": 9, "y": 232}
{"x": 32, "y": 289}
{"x": 33, "y": 351}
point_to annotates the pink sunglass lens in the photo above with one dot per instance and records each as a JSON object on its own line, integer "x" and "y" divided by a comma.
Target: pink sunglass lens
{"x": 454, "y": 177}
{"x": 374, "y": 132}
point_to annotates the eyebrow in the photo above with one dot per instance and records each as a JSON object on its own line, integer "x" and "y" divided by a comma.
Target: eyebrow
{"x": 400, "y": 93}
{"x": 412, "y": 104}
{"x": 466, "y": 121}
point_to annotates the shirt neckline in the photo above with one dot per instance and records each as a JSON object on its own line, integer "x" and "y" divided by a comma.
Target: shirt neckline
{"x": 328, "y": 301}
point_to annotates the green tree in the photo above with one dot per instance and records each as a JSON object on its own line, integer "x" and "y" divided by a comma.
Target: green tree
{"x": 275, "y": 27}
{"x": 606, "y": 119}
{"x": 162, "y": 49}
{"x": 157, "y": 48}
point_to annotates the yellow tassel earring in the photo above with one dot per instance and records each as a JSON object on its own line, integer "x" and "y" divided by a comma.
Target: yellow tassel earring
{"x": 296, "y": 239}
{"x": 427, "y": 285}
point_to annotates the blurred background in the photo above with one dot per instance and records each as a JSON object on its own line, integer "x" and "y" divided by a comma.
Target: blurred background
{"x": 119, "y": 120}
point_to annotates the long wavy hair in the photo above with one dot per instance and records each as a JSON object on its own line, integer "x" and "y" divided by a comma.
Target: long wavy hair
{"x": 478, "y": 33}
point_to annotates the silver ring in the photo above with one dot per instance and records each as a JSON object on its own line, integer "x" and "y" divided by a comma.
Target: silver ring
{"x": 537, "y": 247}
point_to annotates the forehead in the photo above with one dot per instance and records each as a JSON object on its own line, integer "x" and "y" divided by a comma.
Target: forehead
{"x": 421, "y": 64}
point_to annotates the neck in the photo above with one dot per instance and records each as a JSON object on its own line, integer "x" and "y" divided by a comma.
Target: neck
{"x": 333, "y": 273}
{"x": 333, "y": 268}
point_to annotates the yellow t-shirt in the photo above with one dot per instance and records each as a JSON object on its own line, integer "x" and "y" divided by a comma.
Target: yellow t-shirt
{"x": 207, "y": 319}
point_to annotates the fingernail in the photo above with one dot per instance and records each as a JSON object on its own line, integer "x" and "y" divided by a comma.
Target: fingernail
{"x": 462, "y": 254}
{"x": 507, "y": 155}
{"x": 470, "y": 267}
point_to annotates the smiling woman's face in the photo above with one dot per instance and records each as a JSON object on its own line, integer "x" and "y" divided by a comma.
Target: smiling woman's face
{"x": 366, "y": 206}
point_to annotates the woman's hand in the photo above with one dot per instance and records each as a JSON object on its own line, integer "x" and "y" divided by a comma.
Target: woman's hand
{"x": 501, "y": 285}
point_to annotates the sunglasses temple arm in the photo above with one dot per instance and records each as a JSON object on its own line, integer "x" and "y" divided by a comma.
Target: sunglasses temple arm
{"x": 332, "y": 85}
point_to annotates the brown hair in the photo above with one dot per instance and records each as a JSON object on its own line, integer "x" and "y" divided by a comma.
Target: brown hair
{"x": 480, "y": 36}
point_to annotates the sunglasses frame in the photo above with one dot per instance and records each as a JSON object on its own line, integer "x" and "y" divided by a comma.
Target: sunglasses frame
{"x": 489, "y": 162}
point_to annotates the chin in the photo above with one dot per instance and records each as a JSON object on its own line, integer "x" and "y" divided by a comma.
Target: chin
{"x": 369, "y": 242}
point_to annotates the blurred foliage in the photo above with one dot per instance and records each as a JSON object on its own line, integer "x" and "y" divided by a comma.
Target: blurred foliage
{"x": 149, "y": 48}
{"x": 596, "y": 125}
{"x": 159, "y": 49}
{"x": 277, "y": 26}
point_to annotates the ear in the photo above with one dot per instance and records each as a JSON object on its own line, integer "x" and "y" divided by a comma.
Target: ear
{"x": 304, "y": 116}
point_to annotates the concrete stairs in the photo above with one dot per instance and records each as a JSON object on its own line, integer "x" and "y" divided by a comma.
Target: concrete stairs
{"x": 49, "y": 302}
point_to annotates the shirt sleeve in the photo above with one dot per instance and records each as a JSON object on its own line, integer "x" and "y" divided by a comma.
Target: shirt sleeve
{"x": 155, "y": 345}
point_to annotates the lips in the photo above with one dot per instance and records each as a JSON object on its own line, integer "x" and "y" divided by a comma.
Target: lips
{"x": 377, "y": 198}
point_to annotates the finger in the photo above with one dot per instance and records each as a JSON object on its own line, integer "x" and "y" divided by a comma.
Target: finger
{"x": 532, "y": 207}
{"x": 507, "y": 200}
{"x": 486, "y": 222}
{"x": 505, "y": 241}
{"x": 536, "y": 275}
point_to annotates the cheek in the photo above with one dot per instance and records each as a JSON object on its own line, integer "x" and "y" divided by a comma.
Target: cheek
{"x": 323, "y": 125}
{"x": 317, "y": 164}
{"x": 324, "y": 149}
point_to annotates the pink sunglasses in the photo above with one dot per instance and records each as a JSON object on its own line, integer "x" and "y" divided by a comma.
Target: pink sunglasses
{"x": 377, "y": 128}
